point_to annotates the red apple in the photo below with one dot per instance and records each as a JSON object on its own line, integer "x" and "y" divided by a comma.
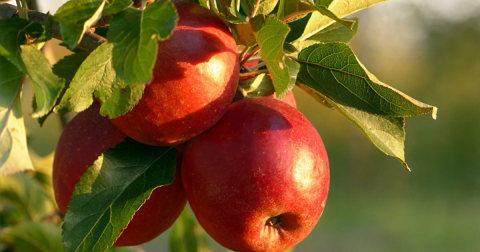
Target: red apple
{"x": 258, "y": 180}
{"x": 194, "y": 80}
{"x": 85, "y": 138}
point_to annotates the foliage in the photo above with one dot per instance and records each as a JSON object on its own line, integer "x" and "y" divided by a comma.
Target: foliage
{"x": 300, "y": 42}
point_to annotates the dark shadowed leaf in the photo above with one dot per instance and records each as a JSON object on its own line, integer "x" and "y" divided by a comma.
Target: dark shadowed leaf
{"x": 68, "y": 66}
{"x": 112, "y": 190}
{"x": 116, "y": 6}
{"x": 14, "y": 31}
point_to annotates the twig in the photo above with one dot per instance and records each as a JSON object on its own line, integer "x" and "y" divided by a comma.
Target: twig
{"x": 89, "y": 42}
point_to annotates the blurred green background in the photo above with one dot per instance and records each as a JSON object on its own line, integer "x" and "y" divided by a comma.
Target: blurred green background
{"x": 429, "y": 50}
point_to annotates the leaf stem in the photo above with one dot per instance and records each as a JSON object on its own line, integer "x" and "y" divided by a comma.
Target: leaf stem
{"x": 249, "y": 55}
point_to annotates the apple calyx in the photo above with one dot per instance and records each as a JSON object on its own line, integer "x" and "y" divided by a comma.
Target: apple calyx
{"x": 275, "y": 221}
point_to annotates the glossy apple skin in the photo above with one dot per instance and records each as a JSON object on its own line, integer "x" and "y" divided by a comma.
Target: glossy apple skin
{"x": 262, "y": 159}
{"x": 85, "y": 138}
{"x": 194, "y": 80}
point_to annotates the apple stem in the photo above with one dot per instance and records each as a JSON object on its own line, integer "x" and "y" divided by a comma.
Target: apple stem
{"x": 275, "y": 221}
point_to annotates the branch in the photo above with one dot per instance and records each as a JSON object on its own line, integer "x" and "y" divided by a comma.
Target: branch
{"x": 89, "y": 42}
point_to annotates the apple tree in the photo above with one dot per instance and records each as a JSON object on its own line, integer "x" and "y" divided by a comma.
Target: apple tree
{"x": 120, "y": 50}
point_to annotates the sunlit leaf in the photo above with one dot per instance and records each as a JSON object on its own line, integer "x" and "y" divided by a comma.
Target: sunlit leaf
{"x": 76, "y": 17}
{"x": 135, "y": 34}
{"x": 254, "y": 8}
{"x": 13, "y": 142}
{"x": 318, "y": 22}
{"x": 97, "y": 76}
{"x": 260, "y": 85}
{"x": 46, "y": 84}
{"x": 336, "y": 32}
{"x": 291, "y": 10}
{"x": 387, "y": 133}
{"x": 333, "y": 70}
{"x": 270, "y": 34}
{"x": 323, "y": 9}
{"x": 112, "y": 190}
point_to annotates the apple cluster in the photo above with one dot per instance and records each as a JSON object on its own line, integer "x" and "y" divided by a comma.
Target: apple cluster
{"x": 255, "y": 172}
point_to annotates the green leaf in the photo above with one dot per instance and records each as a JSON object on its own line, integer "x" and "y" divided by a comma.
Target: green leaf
{"x": 292, "y": 10}
{"x": 260, "y": 7}
{"x": 188, "y": 236}
{"x": 97, "y": 76}
{"x": 14, "y": 32}
{"x": 46, "y": 84}
{"x": 243, "y": 34}
{"x": 27, "y": 195}
{"x": 47, "y": 26}
{"x": 270, "y": 34}
{"x": 258, "y": 86}
{"x": 318, "y": 21}
{"x": 336, "y": 32}
{"x": 333, "y": 70}
{"x": 13, "y": 142}
{"x": 134, "y": 34}
{"x": 64, "y": 68}
{"x": 387, "y": 133}
{"x": 112, "y": 190}
{"x": 76, "y": 17}
{"x": 325, "y": 11}
{"x": 34, "y": 237}
{"x": 117, "y": 6}
{"x": 69, "y": 65}
{"x": 199, "y": 2}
